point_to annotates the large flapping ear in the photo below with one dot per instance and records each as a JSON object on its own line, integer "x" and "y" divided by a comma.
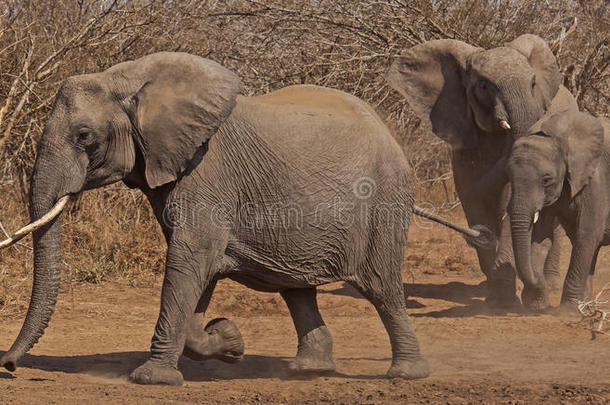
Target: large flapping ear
{"x": 581, "y": 137}
{"x": 542, "y": 60}
{"x": 430, "y": 77}
{"x": 181, "y": 104}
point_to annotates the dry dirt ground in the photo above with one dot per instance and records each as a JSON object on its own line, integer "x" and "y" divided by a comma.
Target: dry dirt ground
{"x": 99, "y": 333}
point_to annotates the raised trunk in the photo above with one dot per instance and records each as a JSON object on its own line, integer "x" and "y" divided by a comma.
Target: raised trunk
{"x": 47, "y": 259}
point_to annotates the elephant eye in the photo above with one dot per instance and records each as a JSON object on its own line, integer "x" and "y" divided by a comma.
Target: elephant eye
{"x": 547, "y": 180}
{"x": 481, "y": 90}
{"x": 533, "y": 84}
{"x": 85, "y": 135}
{"x": 482, "y": 85}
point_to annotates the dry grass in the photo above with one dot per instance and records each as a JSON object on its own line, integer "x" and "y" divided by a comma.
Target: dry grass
{"x": 345, "y": 44}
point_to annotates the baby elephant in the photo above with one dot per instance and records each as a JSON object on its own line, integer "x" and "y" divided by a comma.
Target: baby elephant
{"x": 561, "y": 171}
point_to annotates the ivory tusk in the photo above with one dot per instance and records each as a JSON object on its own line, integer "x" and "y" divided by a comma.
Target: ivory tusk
{"x": 504, "y": 124}
{"x": 536, "y": 216}
{"x": 39, "y": 223}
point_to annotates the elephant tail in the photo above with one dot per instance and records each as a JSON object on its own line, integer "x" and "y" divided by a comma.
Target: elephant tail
{"x": 479, "y": 236}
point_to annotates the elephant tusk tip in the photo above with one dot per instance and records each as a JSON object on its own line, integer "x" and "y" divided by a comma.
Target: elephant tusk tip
{"x": 536, "y": 216}
{"x": 504, "y": 124}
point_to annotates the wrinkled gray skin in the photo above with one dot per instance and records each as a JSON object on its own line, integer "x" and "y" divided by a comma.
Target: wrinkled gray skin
{"x": 282, "y": 192}
{"x": 462, "y": 93}
{"x": 561, "y": 171}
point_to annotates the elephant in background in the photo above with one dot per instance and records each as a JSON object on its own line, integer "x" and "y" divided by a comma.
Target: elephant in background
{"x": 281, "y": 192}
{"x": 479, "y": 101}
{"x": 561, "y": 171}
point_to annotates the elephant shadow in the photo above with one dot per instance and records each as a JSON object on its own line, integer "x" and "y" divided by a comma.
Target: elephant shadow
{"x": 470, "y": 297}
{"x": 116, "y": 367}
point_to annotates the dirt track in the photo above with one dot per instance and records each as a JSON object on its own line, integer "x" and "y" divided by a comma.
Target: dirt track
{"x": 99, "y": 333}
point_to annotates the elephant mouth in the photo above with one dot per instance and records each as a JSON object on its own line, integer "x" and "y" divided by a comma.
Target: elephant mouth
{"x": 39, "y": 223}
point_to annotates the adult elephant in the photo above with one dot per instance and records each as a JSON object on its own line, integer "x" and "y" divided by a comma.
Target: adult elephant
{"x": 282, "y": 192}
{"x": 479, "y": 101}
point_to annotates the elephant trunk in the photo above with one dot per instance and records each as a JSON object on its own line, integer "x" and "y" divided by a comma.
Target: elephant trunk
{"x": 45, "y": 191}
{"x": 534, "y": 294}
{"x": 522, "y": 109}
{"x": 521, "y": 231}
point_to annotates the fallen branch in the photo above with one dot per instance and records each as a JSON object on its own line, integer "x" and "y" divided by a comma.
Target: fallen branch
{"x": 594, "y": 314}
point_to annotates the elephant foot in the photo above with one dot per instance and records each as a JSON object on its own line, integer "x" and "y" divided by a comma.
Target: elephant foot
{"x": 232, "y": 348}
{"x": 220, "y": 340}
{"x": 535, "y": 299}
{"x": 503, "y": 302}
{"x": 409, "y": 369}
{"x": 311, "y": 365}
{"x": 152, "y": 373}
{"x": 315, "y": 353}
{"x": 567, "y": 310}
{"x": 502, "y": 288}
{"x": 502, "y": 296}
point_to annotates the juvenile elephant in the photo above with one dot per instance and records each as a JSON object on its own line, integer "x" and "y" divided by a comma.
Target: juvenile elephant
{"x": 479, "y": 101}
{"x": 282, "y": 192}
{"x": 562, "y": 170}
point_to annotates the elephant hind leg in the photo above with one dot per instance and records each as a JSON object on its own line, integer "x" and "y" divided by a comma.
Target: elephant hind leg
{"x": 315, "y": 347}
{"x": 380, "y": 281}
{"x": 407, "y": 361}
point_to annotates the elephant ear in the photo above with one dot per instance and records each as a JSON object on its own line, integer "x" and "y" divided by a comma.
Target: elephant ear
{"x": 542, "y": 60}
{"x": 430, "y": 77}
{"x": 581, "y": 137}
{"x": 181, "y": 105}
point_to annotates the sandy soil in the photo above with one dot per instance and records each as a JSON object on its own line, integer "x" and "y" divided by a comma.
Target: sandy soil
{"x": 99, "y": 333}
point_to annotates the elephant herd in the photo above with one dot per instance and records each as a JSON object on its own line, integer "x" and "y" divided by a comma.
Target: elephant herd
{"x": 306, "y": 186}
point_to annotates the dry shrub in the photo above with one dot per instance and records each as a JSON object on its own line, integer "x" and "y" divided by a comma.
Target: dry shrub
{"x": 345, "y": 44}
{"x": 595, "y": 313}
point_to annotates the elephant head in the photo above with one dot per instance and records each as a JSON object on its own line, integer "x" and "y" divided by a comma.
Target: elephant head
{"x": 462, "y": 92}
{"x": 141, "y": 121}
{"x": 557, "y": 160}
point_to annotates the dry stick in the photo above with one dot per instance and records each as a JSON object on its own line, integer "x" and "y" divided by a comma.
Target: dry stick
{"x": 39, "y": 74}
{"x": 8, "y": 236}
{"x": 13, "y": 90}
{"x": 591, "y": 310}
{"x": 39, "y": 223}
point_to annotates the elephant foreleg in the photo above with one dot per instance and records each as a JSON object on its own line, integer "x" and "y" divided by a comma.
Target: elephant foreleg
{"x": 315, "y": 348}
{"x": 188, "y": 274}
{"x": 220, "y": 339}
{"x": 579, "y": 280}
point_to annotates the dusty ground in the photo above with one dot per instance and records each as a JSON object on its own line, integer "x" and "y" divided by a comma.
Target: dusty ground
{"x": 99, "y": 333}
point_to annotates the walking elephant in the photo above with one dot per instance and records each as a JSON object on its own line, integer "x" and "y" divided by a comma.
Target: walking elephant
{"x": 479, "y": 101}
{"x": 281, "y": 192}
{"x": 562, "y": 170}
